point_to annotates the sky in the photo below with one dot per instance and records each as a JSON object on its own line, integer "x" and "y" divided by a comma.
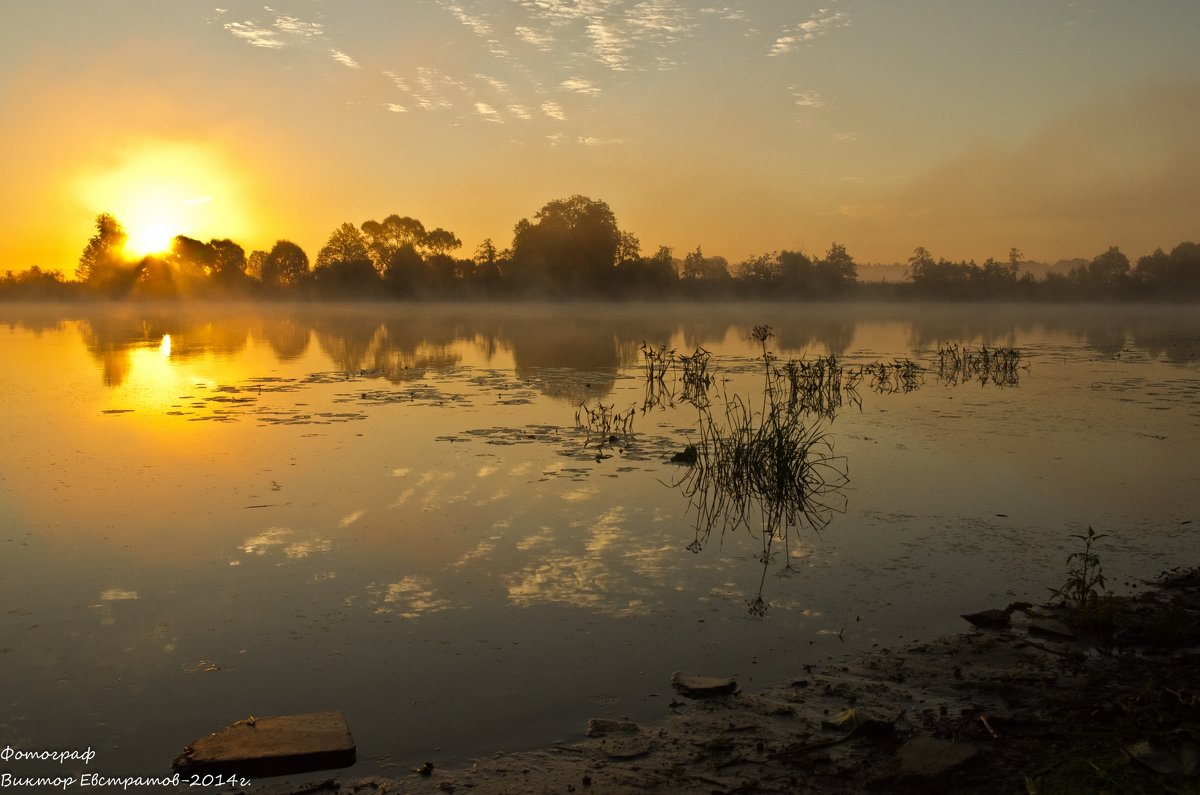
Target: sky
{"x": 968, "y": 127}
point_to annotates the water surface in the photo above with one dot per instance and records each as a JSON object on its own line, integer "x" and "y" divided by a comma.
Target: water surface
{"x": 217, "y": 512}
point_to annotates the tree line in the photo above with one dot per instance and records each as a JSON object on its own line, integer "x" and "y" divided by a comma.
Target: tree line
{"x": 570, "y": 248}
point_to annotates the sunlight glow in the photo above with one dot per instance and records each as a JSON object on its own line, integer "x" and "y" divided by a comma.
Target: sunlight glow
{"x": 160, "y": 189}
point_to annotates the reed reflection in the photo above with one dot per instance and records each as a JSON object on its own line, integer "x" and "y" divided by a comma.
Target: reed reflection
{"x": 764, "y": 462}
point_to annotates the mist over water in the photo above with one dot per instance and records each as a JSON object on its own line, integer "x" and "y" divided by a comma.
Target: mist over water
{"x": 393, "y": 510}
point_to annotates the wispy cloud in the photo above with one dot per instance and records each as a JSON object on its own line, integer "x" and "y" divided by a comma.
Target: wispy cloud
{"x": 344, "y": 59}
{"x": 394, "y": 107}
{"x": 495, "y": 83}
{"x": 591, "y": 140}
{"x": 281, "y": 31}
{"x": 580, "y": 86}
{"x": 554, "y": 111}
{"x": 807, "y": 100}
{"x": 300, "y": 28}
{"x": 819, "y": 24}
{"x": 488, "y": 112}
{"x": 254, "y": 35}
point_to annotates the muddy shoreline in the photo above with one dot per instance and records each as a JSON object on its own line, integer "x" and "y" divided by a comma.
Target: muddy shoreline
{"x": 1039, "y": 699}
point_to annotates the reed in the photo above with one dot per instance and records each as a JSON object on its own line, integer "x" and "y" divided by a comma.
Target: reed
{"x": 765, "y": 468}
{"x": 604, "y": 426}
{"x": 997, "y": 366}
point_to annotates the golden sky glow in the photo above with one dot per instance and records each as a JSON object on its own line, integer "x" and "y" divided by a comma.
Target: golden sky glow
{"x": 746, "y": 126}
{"x": 160, "y": 189}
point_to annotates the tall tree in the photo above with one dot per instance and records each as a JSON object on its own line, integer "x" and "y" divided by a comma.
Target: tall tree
{"x": 229, "y": 264}
{"x": 344, "y": 263}
{"x": 570, "y": 247}
{"x": 285, "y": 266}
{"x": 104, "y": 256}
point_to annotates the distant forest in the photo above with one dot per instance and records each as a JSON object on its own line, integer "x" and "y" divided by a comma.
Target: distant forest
{"x": 571, "y": 249}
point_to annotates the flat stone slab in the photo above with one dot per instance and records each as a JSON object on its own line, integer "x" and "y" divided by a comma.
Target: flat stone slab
{"x": 273, "y": 746}
{"x": 928, "y": 757}
{"x": 696, "y": 686}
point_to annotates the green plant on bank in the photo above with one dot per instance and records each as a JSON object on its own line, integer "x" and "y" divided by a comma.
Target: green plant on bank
{"x": 1085, "y": 577}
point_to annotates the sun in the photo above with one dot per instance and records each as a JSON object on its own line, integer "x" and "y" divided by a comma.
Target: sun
{"x": 151, "y": 223}
{"x": 160, "y": 189}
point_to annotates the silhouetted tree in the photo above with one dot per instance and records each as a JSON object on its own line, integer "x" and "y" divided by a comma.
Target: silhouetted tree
{"x": 285, "y": 266}
{"x": 406, "y": 275}
{"x": 836, "y": 273}
{"x": 344, "y": 264}
{"x": 103, "y": 266}
{"x": 1106, "y": 275}
{"x": 33, "y": 284}
{"x": 703, "y": 275}
{"x": 384, "y": 239}
{"x": 759, "y": 275}
{"x": 569, "y": 249}
{"x": 439, "y": 241}
{"x": 229, "y": 265}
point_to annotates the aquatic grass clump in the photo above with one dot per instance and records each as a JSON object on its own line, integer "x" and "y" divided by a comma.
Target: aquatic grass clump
{"x": 689, "y": 371}
{"x": 899, "y": 376}
{"x": 998, "y": 366}
{"x": 766, "y": 472}
{"x": 768, "y": 469}
{"x": 603, "y": 424}
{"x": 696, "y": 378}
{"x": 820, "y": 386}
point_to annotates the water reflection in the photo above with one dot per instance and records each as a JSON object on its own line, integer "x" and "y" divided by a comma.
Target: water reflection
{"x": 404, "y": 344}
{"x": 763, "y": 461}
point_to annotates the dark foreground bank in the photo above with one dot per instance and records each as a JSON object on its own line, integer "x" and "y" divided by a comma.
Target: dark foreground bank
{"x": 1044, "y": 699}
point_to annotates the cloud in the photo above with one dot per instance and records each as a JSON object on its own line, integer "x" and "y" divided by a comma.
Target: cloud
{"x": 554, "y": 111}
{"x": 344, "y": 59}
{"x": 395, "y": 108}
{"x": 520, "y": 111}
{"x": 819, "y": 24}
{"x": 488, "y": 112}
{"x": 591, "y": 140}
{"x": 297, "y": 27}
{"x": 254, "y": 35}
{"x": 496, "y": 84}
{"x": 531, "y": 36}
{"x": 580, "y": 86}
{"x": 808, "y": 100}
{"x": 477, "y": 24}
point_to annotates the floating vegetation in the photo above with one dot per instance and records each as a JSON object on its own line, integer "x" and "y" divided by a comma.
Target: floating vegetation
{"x": 998, "y": 366}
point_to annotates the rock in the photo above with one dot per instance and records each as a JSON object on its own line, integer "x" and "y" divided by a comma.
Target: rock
{"x": 1049, "y": 628}
{"x": 599, "y": 727}
{"x": 989, "y": 619}
{"x": 273, "y": 746}
{"x": 926, "y": 757}
{"x": 696, "y": 686}
{"x": 688, "y": 456}
{"x": 619, "y": 748}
